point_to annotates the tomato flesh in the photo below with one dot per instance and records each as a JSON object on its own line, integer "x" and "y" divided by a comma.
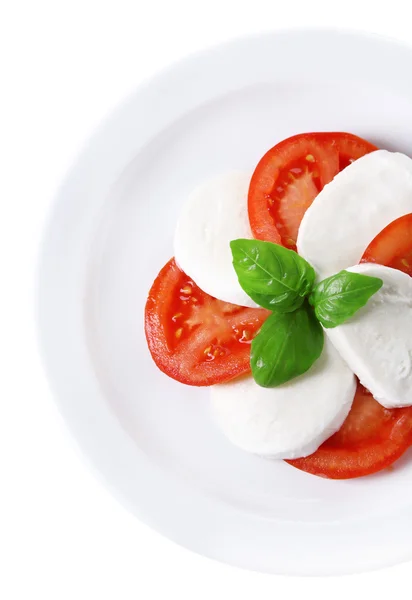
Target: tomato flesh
{"x": 393, "y": 246}
{"x": 193, "y": 337}
{"x": 372, "y": 437}
{"x": 289, "y": 177}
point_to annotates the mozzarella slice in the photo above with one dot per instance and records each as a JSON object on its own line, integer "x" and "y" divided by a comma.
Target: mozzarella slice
{"x": 289, "y": 421}
{"x": 215, "y": 214}
{"x": 376, "y": 342}
{"x": 351, "y": 210}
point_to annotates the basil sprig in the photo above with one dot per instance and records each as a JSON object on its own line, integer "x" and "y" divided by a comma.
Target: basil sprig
{"x": 291, "y": 339}
{"x": 337, "y": 298}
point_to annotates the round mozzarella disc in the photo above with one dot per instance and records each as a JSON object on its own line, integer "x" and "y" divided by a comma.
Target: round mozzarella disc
{"x": 351, "y": 210}
{"x": 214, "y": 215}
{"x": 377, "y": 341}
{"x": 289, "y": 421}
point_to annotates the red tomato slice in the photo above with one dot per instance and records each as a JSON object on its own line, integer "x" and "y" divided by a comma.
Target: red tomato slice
{"x": 372, "y": 437}
{"x": 290, "y": 176}
{"x": 193, "y": 337}
{"x": 393, "y": 246}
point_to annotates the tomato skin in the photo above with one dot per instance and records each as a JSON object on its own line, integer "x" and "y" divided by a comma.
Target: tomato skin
{"x": 371, "y": 439}
{"x": 290, "y": 175}
{"x": 182, "y": 322}
{"x": 392, "y": 247}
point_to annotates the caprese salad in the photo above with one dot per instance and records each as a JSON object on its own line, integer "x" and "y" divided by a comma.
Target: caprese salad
{"x": 290, "y": 294}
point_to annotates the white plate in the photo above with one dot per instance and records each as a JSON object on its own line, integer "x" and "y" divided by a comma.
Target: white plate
{"x": 151, "y": 439}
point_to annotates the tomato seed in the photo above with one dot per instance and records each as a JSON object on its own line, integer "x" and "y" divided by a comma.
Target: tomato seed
{"x": 310, "y": 158}
{"x": 207, "y": 350}
{"x": 187, "y": 289}
{"x": 176, "y": 317}
{"x": 246, "y": 334}
{"x": 194, "y": 300}
{"x": 405, "y": 263}
{"x": 178, "y": 332}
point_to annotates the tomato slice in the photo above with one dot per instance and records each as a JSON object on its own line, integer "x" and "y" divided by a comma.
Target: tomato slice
{"x": 289, "y": 177}
{"x": 371, "y": 439}
{"x": 193, "y": 337}
{"x": 393, "y": 246}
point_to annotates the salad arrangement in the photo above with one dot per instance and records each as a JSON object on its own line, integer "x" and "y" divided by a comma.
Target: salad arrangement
{"x": 290, "y": 294}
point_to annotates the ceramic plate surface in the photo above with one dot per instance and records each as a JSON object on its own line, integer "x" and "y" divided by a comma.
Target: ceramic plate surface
{"x": 151, "y": 439}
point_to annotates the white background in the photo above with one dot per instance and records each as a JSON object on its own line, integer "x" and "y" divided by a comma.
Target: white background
{"x": 63, "y": 66}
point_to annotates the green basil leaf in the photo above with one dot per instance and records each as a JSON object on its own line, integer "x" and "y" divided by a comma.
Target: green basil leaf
{"x": 337, "y": 298}
{"x": 287, "y": 346}
{"x": 273, "y": 276}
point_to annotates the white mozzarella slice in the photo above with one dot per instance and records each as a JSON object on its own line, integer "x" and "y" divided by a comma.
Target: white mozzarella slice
{"x": 215, "y": 214}
{"x": 376, "y": 342}
{"x": 289, "y": 421}
{"x": 350, "y": 211}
